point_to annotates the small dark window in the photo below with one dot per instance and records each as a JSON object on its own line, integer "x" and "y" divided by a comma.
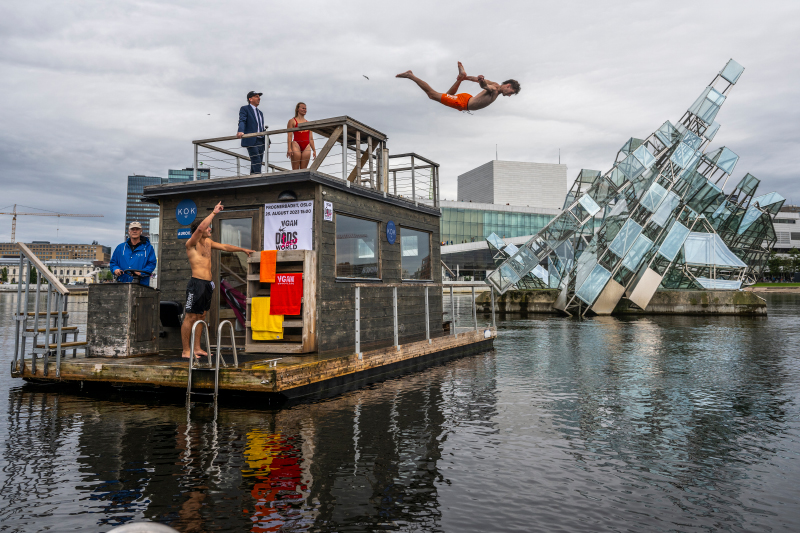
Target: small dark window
{"x": 416, "y": 254}
{"x": 357, "y": 253}
{"x": 795, "y": 236}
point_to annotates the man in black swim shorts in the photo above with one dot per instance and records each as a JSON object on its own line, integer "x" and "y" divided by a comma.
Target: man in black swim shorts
{"x": 200, "y": 288}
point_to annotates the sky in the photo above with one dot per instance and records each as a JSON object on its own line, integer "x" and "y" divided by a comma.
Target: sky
{"x": 93, "y": 91}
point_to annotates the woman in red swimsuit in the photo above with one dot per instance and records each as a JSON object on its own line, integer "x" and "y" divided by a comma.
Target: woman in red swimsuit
{"x": 300, "y": 148}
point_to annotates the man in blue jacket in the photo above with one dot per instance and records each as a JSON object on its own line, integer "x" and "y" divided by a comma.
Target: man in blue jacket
{"x": 134, "y": 254}
{"x": 251, "y": 120}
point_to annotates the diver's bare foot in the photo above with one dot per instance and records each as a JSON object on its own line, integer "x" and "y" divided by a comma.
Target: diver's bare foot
{"x": 462, "y": 74}
{"x": 186, "y": 355}
{"x": 200, "y": 353}
{"x": 406, "y": 74}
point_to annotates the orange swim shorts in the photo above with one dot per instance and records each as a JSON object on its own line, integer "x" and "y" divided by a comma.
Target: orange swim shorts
{"x": 458, "y": 102}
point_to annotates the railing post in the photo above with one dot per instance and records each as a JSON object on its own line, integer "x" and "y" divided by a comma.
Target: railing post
{"x": 394, "y": 314}
{"x": 394, "y": 177}
{"x": 453, "y": 312}
{"x": 474, "y": 308}
{"x": 427, "y": 318}
{"x": 238, "y": 166}
{"x": 46, "y": 358}
{"x": 61, "y": 301}
{"x": 194, "y": 174}
{"x": 17, "y": 316}
{"x": 344, "y": 153}
{"x": 36, "y": 320}
{"x": 436, "y": 187}
{"x": 371, "y": 174}
{"x": 358, "y": 157}
{"x": 266, "y": 151}
{"x": 27, "y": 274}
{"x": 413, "y": 181}
{"x": 494, "y": 324}
{"x": 358, "y": 322}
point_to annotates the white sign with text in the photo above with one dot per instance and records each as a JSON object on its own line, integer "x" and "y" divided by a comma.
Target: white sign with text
{"x": 287, "y": 226}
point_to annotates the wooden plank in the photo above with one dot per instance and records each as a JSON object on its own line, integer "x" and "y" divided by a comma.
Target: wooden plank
{"x": 326, "y": 149}
{"x": 310, "y": 302}
{"x": 64, "y": 345}
{"x": 254, "y": 347}
{"x": 282, "y": 256}
{"x": 362, "y": 161}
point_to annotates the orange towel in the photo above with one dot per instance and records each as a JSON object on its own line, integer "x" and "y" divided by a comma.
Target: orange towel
{"x": 267, "y": 271}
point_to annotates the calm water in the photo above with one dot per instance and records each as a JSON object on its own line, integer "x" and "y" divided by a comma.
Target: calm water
{"x": 651, "y": 424}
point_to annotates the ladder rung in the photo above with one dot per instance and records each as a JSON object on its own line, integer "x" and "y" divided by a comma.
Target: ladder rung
{"x": 202, "y": 393}
{"x": 65, "y": 345}
{"x": 45, "y": 313}
{"x": 55, "y": 329}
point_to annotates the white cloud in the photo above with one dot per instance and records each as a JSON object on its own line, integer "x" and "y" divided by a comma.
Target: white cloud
{"x": 94, "y": 91}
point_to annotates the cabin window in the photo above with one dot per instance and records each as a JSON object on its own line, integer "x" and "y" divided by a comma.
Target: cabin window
{"x": 357, "y": 254}
{"x": 416, "y": 254}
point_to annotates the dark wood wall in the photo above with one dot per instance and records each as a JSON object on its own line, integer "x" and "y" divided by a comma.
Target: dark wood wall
{"x": 336, "y": 298}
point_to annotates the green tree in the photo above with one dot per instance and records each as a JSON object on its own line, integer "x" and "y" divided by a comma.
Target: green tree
{"x": 794, "y": 260}
{"x": 33, "y": 275}
{"x": 4, "y": 275}
{"x": 774, "y": 264}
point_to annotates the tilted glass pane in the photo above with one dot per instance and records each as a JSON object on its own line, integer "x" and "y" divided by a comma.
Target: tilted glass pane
{"x": 727, "y": 160}
{"x": 624, "y": 239}
{"x": 652, "y": 199}
{"x": 715, "y": 97}
{"x": 496, "y": 241}
{"x": 682, "y": 156}
{"x": 589, "y": 204}
{"x": 711, "y": 131}
{"x": 644, "y": 156}
{"x": 667, "y": 133}
{"x": 695, "y": 107}
{"x": 768, "y": 199}
{"x": 732, "y": 71}
{"x": 719, "y": 283}
{"x": 670, "y": 202}
{"x": 692, "y": 140}
{"x": 672, "y": 244}
{"x": 631, "y": 167}
{"x": 724, "y": 256}
{"x": 617, "y": 177}
{"x": 631, "y": 145}
{"x": 748, "y": 184}
{"x": 591, "y": 288}
{"x": 636, "y": 253}
{"x": 750, "y": 216}
{"x": 698, "y": 248}
{"x": 510, "y": 249}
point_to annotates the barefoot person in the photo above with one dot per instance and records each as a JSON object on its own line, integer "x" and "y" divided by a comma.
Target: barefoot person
{"x": 200, "y": 287}
{"x": 464, "y": 101}
{"x": 300, "y": 148}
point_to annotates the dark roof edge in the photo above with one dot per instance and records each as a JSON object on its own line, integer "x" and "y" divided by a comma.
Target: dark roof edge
{"x": 152, "y": 193}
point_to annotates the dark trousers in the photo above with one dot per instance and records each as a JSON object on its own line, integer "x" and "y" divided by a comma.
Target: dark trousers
{"x": 256, "y": 157}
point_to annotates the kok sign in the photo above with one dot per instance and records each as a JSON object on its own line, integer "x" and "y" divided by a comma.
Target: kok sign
{"x": 287, "y": 225}
{"x": 328, "y": 211}
{"x": 186, "y": 212}
{"x": 391, "y": 232}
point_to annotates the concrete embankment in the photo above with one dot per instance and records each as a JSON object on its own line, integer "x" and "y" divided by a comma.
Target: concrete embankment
{"x": 681, "y": 302}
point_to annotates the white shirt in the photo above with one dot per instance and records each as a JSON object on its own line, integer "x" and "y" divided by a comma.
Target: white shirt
{"x": 258, "y": 117}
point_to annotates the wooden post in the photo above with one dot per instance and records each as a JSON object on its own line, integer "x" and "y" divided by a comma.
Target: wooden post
{"x": 427, "y": 318}
{"x": 266, "y": 155}
{"x": 358, "y": 157}
{"x": 394, "y": 300}
{"x": 394, "y": 176}
{"x": 344, "y": 153}
{"x": 358, "y": 321}
{"x": 369, "y": 151}
{"x": 194, "y": 174}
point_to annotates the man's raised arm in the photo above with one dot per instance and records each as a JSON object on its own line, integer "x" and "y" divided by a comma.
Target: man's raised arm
{"x": 201, "y": 229}
{"x": 487, "y": 85}
{"x": 230, "y": 248}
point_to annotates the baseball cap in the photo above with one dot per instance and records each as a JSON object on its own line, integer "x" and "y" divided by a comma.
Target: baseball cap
{"x": 252, "y": 94}
{"x": 135, "y": 224}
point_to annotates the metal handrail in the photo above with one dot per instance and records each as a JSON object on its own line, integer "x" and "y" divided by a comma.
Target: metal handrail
{"x": 49, "y": 276}
{"x": 233, "y": 344}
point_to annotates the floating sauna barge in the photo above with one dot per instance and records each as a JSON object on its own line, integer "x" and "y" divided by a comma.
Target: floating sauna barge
{"x": 368, "y": 251}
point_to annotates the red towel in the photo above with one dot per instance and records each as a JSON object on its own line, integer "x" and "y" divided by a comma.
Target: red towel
{"x": 285, "y": 294}
{"x": 267, "y": 268}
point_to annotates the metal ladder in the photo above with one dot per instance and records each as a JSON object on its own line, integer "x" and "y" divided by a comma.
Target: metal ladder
{"x": 210, "y": 367}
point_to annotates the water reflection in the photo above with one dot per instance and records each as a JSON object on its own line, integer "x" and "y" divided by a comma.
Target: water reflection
{"x": 653, "y": 423}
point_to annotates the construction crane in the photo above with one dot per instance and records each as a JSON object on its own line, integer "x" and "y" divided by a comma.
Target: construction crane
{"x": 53, "y": 214}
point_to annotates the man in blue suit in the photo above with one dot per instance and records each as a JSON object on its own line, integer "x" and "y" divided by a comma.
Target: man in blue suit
{"x": 251, "y": 120}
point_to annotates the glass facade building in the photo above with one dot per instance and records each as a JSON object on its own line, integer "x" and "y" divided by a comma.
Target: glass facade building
{"x": 460, "y": 225}
{"x": 143, "y": 212}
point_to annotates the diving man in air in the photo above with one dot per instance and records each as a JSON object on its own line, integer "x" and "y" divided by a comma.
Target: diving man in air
{"x": 464, "y": 101}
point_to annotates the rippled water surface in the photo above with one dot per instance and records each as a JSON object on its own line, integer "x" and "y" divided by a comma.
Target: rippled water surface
{"x": 634, "y": 424}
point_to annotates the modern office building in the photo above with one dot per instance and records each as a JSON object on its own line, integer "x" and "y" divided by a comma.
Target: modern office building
{"x": 142, "y": 212}
{"x": 464, "y": 222}
{"x": 518, "y": 183}
{"x": 787, "y": 228}
{"x": 47, "y": 251}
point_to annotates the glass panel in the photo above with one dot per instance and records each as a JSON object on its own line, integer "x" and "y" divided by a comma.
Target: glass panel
{"x": 719, "y": 283}
{"x": 233, "y": 270}
{"x": 727, "y": 160}
{"x": 750, "y": 216}
{"x": 644, "y": 156}
{"x": 510, "y": 249}
{"x": 591, "y": 288}
{"x": 496, "y": 241}
{"x": 672, "y": 244}
{"x": 653, "y": 198}
{"x": 711, "y": 131}
{"x": 667, "y": 133}
{"x": 670, "y": 202}
{"x": 683, "y": 155}
{"x": 634, "y": 257}
{"x": 631, "y": 167}
{"x": 356, "y": 248}
{"x": 589, "y": 204}
{"x": 724, "y": 255}
{"x": 692, "y": 140}
{"x": 416, "y": 254}
{"x": 732, "y": 71}
{"x": 617, "y": 177}
{"x": 624, "y": 239}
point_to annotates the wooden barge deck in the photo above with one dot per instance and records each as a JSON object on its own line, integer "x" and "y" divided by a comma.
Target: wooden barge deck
{"x": 291, "y": 377}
